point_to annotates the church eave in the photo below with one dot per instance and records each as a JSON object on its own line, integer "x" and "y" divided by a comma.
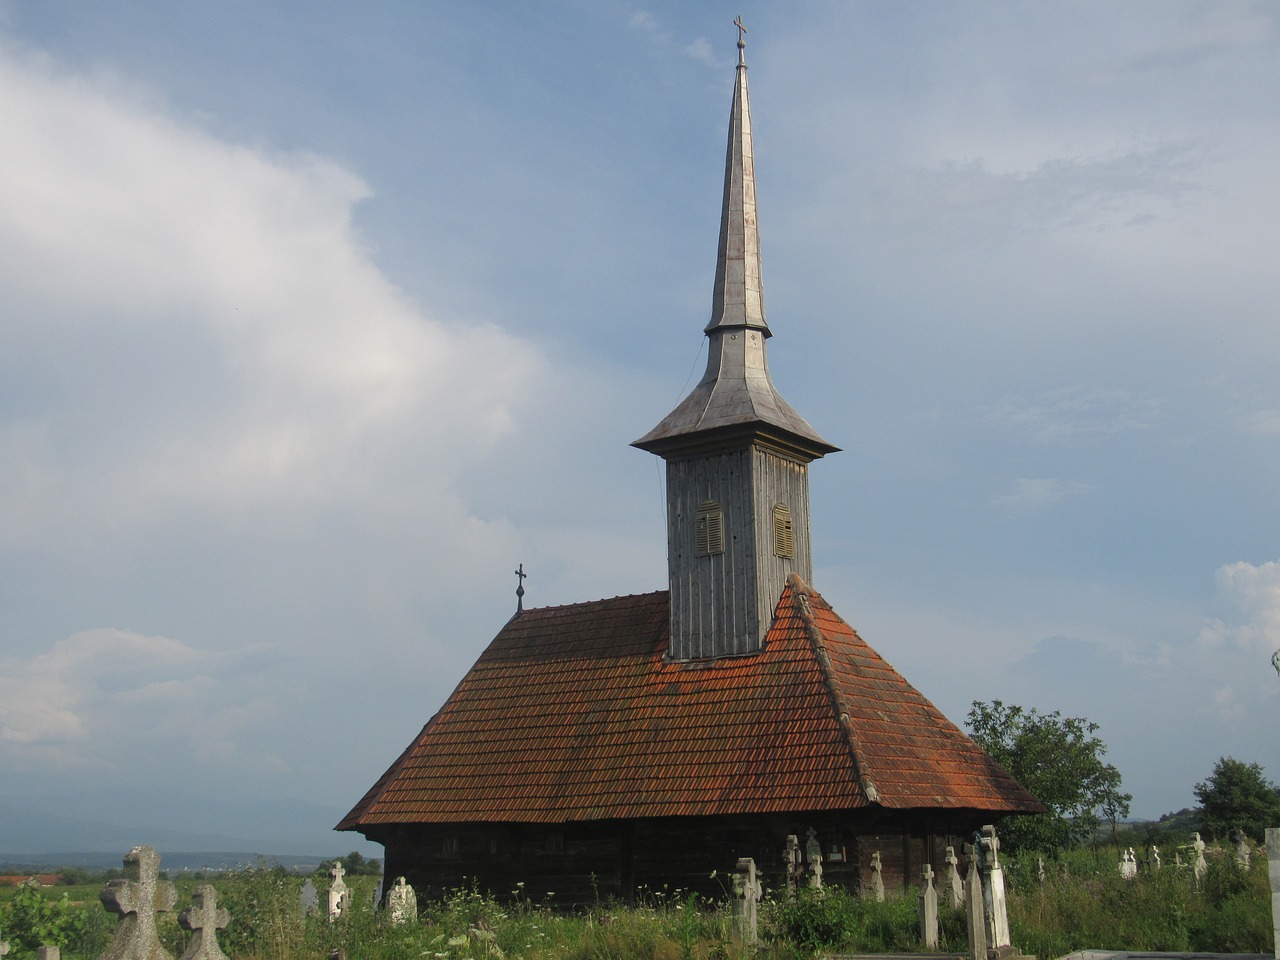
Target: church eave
{"x": 735, "y": 436}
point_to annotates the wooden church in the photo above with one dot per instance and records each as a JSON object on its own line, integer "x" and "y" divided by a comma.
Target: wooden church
{"x": 597, "y": 749}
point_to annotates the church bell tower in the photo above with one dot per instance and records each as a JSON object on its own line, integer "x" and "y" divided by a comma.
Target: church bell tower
{"x": 737, "y": 454}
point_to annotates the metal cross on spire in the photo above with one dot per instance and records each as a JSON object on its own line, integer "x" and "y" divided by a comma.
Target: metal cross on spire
{"x": 521, "y": 575}
{"x": 742, "y": 43}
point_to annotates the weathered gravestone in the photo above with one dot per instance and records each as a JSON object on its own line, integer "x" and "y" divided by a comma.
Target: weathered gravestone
{"x": 746, "y": 900}
{"x": 813, "y": 853}
{"x": 138, "y": 898}
{"x": 877, "y": 878}
{"x": 204, "y": 918}
{"x": 929, "y": 910}
{"x": 338, "y": 892}
{"x": 402, "y": 902}
{"x": 1153, "y": 858}
{"x": 48, "y": 953}
{"x": 993, "y": 895}
{"x": 4, "y": 948}
{"x": 1198, "y": 865}
{"x": 1129, "y": 865}
{"x": 1244, "y": 855}
{"x": 975, "y": 912}
{"x": 792, "y": 864}
{"x": 1273, "y": 871}
{"x": 308, "y": 899}
{"x": 952, "y": 882}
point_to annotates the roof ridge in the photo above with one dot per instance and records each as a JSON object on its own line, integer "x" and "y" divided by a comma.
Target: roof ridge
{"x": 587, "y": 603}
{"x": 802, "y": 592}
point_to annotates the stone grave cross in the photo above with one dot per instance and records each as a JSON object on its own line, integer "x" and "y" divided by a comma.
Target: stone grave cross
{"x": 337, "y": 890}
{"x": 975, "y": 907}
{"x": 994, "y": 902}
{"x": 204, "y": 918}
{"x": 138, "y": 898}
{"x": 746, "y": 898}
{"x": 952, "y": 882}
{"x": 929, "y": 910}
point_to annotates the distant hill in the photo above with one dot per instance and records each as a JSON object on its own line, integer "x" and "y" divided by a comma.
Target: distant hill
{"x": 171, "y": 863}
{"x": 82, "y": 832}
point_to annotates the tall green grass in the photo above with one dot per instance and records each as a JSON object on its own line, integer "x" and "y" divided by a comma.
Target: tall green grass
{"x": 1083, "y": 903}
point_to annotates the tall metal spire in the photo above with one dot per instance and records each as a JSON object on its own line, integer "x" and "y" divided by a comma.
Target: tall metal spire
{"x": 738, "y": 298}
{"x": 736, "y": 397}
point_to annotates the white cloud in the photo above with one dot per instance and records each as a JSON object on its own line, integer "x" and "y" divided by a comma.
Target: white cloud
{"x": 1249, "y": 597}
{"x": 1264, "y": 422}
{"x": 700, "y": 50}
{"x": 199, "y": 324}
{"x": 1076, "y": 411}
{"x": 117, "y": 700}
{"x": 60, "y": 696}
{"x": 1031, "y": 495}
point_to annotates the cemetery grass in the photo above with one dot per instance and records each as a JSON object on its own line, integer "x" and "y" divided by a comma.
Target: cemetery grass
{"x": 1084, "y": 904}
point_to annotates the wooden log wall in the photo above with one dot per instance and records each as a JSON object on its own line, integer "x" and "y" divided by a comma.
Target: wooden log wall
{"x": 586, "y": 863}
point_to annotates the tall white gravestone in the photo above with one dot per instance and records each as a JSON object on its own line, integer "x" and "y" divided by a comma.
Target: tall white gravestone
{"x": 994, "y": 899}
{"x": 928, "y": 910}
{"x": 813, "y": 853}
{"x": 952, "y": 882}
{"x": 746, "y": 898}
{"x": 402, "y": 902}
{"x": 337, "y": 891}
{"x": 975, "y": 910}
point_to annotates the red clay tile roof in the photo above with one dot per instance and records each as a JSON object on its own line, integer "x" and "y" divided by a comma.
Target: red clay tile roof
{"x": 572, "y": 714}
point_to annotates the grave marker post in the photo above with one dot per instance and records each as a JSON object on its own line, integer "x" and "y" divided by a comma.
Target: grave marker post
{"x": 746, "y": 900}
{"x": 204, "y": 918}
{"x": 929, "y": 910}
{"x": 138, "y": 897}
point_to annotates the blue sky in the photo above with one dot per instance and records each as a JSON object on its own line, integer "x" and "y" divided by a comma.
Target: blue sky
{"x": 316, "y": 319}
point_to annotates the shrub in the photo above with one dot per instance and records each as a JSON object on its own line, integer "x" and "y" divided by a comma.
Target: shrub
{"x": 31, "y": 920}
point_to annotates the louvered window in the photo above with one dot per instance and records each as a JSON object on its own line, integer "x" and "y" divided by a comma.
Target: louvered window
{"x": 709, "y": 529}
{"x": 784, "y": 540}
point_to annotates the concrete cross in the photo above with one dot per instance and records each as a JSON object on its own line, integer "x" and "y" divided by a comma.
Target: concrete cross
{"x": 928, "y": 874}
{"x": 204, "y": 918}
{"x": 138, "y": 898}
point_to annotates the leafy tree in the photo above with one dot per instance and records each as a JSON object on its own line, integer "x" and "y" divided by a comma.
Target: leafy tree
{"x": 1060, "y": 761}
{"x": 1237, "y": 796}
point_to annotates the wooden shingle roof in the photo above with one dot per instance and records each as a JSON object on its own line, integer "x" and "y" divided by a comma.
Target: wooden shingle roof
{"x": 572, "y": 714}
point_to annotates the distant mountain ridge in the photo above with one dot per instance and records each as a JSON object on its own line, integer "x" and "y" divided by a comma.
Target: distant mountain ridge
{"x": 44, "y": 829}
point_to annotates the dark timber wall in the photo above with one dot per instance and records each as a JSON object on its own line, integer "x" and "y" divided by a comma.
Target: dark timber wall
{"x": 583, "y": 863}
